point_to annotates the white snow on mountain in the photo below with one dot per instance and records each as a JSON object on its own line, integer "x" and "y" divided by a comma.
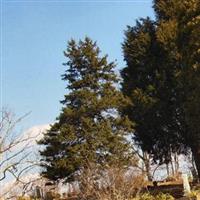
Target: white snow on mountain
{"x": 36, "y": 133}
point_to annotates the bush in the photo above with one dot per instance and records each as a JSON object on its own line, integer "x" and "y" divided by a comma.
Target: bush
{"x": 22, "y": 198}
{"x": 145, "y": 196}
{"x": 162, "y": 196}
{"x": 112, "y": 183}
{"x": 148, "y": 196}
{"x": 26, "y": 198}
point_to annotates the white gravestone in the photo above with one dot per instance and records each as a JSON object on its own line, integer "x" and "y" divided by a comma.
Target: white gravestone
{"x": 186, "y": 185}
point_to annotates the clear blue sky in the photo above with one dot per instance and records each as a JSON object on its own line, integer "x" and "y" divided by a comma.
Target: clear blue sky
{"x": 34, "y": 35}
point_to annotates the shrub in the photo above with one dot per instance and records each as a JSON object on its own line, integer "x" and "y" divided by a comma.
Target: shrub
{"x": 148, "y": 196}
{"x": 162, "y": 196}
{"x": 145, "y": 196}
{"x": 112, "y": 183}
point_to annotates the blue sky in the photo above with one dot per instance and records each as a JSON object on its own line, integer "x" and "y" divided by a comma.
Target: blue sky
{"x": 34, "y": 35}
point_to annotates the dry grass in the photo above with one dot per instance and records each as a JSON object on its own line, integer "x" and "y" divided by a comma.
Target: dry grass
{"x": 110, "y": 184}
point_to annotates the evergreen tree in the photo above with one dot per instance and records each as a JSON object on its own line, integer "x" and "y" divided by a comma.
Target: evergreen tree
{"x": 89, "y": 128}
{"x": 150, "y": 84}
{"x": 178, "y": 31}
{"x": 161, "y": 79}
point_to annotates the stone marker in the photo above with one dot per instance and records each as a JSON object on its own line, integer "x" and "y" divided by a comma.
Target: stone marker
{"x": 186, "y": 185}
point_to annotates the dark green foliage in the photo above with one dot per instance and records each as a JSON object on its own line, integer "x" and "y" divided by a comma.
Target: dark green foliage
{"x": 89, "y": 128}
{"x": 150, "y": 83}
{"x": 161, "y": 78}
{"x": 182, "y": 18}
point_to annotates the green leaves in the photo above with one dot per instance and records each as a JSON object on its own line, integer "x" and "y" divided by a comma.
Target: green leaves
{"x": 89, "y": 128}
{"x": 158, "y": 55}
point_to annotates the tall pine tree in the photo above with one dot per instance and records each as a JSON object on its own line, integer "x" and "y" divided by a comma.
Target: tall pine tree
{"x": 178, "y": 32}
{"x": 149, "y": 82}
{"x": 89, "y": 128}
{"x": 162, "y": 76}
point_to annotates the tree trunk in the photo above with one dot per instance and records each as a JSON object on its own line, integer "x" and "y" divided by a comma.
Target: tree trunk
{"x": 148, "y": 171}
{"x": 176, "y": 161}
{"x": 147, "y": 166}
{"x": 196, "y": 155}
{"x": 172, "y": 168}
{"x": 167, "y": 168}
{"x": 194, "y": 169}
